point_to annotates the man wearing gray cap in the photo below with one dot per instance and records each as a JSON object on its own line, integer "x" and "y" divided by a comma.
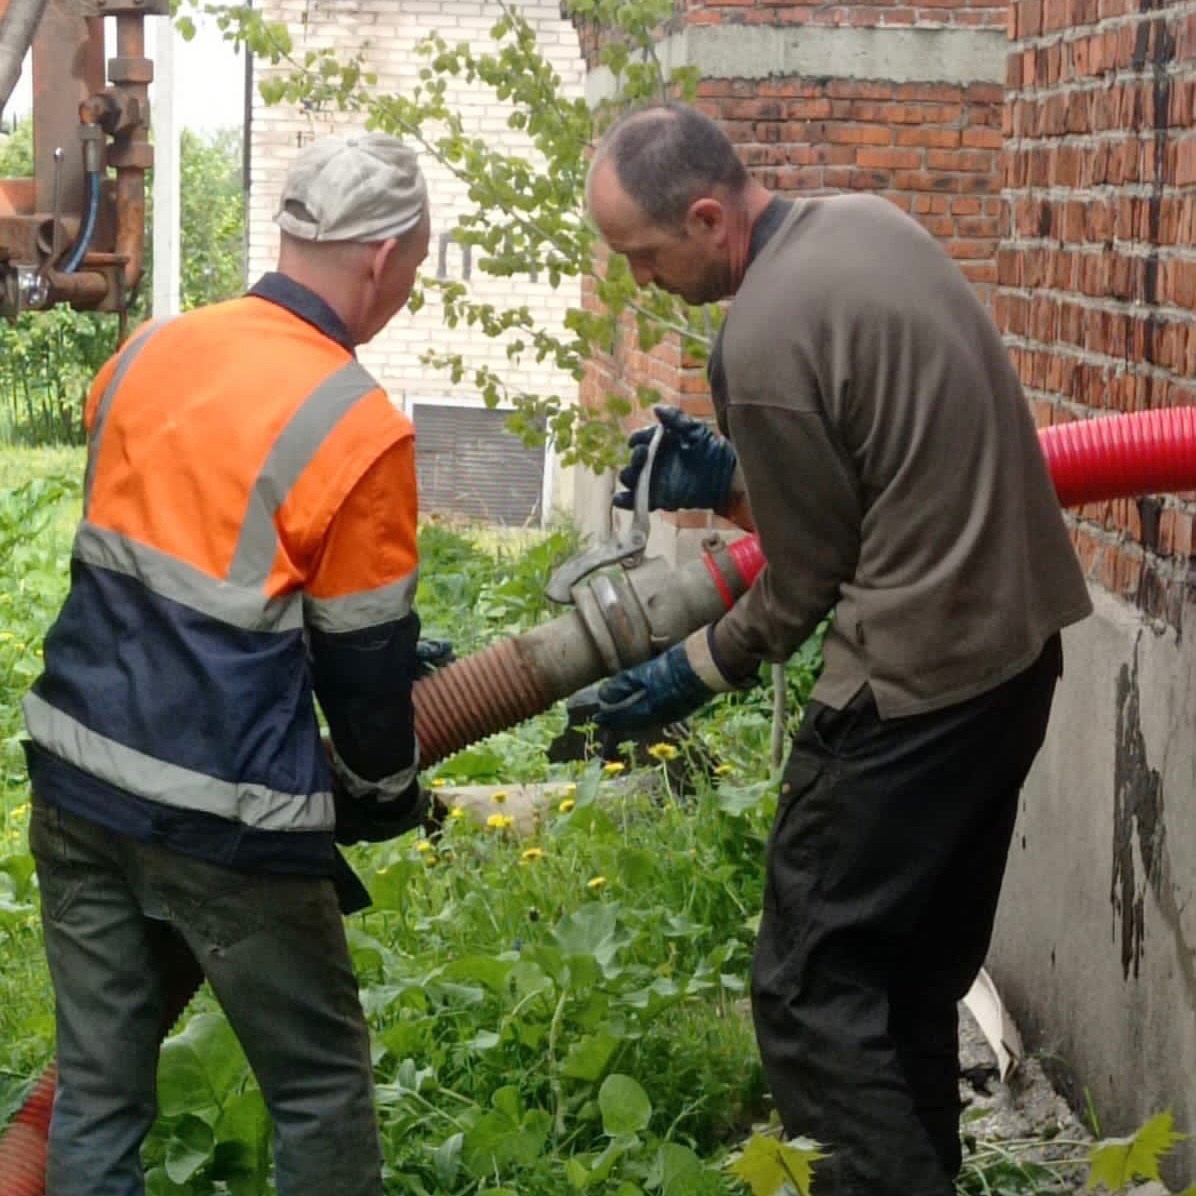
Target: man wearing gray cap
{"x": 248, "y": 546}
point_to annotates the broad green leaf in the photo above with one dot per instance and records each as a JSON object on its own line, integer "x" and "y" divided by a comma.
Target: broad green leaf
{"x": 591, "y": 930}
{"x": 624, "y": 1104}
{"x": 484, "y": 969}
{"x": 767, "y": 1164}
{"x": 446, "y": 1161}
{"x": 242, "y": 1156}
{"x": 677, "y": 1171}
{"x": 576, "y": 1173}
{"x": 158, "y": 1183}
{"x": 189, "y": 1148}
{"x": 390, "y": 887}
{"x": 1116, "y": 1162}
{"x": 199, "y": 1067}
{"x": 589, "y": 1056}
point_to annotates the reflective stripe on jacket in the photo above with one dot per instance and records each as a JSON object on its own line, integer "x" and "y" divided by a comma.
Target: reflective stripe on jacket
{"x": 221, "y": 446}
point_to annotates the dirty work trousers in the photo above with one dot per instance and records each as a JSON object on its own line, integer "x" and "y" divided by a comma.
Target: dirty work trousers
{"x": 884, "y": 868}
{"x": 273, "y": 949}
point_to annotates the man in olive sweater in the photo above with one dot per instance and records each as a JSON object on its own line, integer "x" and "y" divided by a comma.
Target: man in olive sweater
{"x": 881, "y": 446}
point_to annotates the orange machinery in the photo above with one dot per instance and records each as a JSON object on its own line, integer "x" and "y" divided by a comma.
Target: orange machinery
{"x": 75, "y": 232}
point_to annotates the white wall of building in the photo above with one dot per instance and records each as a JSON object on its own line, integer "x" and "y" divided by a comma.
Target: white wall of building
{"x": 388, "y": 31}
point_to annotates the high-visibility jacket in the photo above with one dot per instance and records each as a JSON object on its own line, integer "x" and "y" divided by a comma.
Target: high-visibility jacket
{"x": 222, "y": 446}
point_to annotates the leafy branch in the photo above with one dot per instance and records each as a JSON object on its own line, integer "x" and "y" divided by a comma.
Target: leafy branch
{"x": 527, "y": 209}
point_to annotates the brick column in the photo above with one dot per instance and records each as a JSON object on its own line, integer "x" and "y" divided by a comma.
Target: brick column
{"x": 1098, "y": 274}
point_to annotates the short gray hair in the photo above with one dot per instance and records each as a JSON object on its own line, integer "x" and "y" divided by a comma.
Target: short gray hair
{"x": 667, "y": 155}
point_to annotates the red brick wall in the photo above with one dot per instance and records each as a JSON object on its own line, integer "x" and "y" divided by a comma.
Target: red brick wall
{"x": 1098, "y": 275}
{"x": 932, "y": 148}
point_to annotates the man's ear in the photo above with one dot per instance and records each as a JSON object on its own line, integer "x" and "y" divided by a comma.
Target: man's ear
{"x": 383, "y": 253}
{"x": 707, "y": 215}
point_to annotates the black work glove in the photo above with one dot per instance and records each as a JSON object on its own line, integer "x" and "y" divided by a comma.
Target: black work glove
{"x": 371, "y": 820}
{"x": 431, "y": 655}
{"x": 694, "y": 467}
{"x": 665, "y": 689}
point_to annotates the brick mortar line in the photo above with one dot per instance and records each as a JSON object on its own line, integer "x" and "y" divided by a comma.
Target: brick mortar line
{"x": 1093, "y": 139}
{"x": 1072, "y": 33}
{"x": 1142, "y": 249}
{"x": 1167, "y": 312}
{"x": 1086, "y": 83}
{"x": 1087, "y": 357}
{"x": 1102, "y": 192}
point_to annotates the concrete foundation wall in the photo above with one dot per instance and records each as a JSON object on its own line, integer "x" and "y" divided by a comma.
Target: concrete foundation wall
{"x": 1095, "y": 950}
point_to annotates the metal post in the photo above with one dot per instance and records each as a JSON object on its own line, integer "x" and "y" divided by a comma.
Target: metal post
{"x": 167, "y": 250}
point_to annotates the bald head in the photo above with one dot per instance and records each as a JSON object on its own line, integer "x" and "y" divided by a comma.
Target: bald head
{"x": 668, "y": 193}
{"x": 666, "y": 156}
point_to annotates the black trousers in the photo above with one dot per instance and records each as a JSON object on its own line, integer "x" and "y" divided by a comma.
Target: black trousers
{"x": 884, "y": 868}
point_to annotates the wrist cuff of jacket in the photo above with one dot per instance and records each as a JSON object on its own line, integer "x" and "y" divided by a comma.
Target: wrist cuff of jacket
{"x": 383, "y": 790}
{"x": 699, "y": 651}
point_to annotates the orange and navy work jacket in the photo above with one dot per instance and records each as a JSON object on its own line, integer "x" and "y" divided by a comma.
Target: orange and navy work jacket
{"x": 248, "y": 545}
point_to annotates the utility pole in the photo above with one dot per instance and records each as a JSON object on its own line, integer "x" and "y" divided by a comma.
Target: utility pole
{"x": 166, "y": 174}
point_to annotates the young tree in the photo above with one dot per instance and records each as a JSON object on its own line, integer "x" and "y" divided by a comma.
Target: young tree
{"x": 211, "y": 216}
{"x": 48, "y": 358}
{"x": 528, "y": 214}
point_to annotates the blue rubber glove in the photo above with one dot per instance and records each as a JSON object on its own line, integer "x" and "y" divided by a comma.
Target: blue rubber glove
{"x": 664, "y": 689}
{"x": 694, "y": 466}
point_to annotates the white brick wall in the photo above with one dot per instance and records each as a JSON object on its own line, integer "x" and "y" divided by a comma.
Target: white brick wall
{"x": 389, "y": 30}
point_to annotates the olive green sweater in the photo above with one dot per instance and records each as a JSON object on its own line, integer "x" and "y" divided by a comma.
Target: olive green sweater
{"x": 892, "y": 466}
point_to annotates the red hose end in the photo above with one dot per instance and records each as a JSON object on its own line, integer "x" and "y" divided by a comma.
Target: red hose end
{"x": 748, "y": 557}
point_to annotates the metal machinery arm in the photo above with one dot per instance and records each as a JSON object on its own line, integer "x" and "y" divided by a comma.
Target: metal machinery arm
{"x": 71, "y": 234}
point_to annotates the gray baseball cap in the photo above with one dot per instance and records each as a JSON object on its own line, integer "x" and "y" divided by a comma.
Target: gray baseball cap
{"x": 364, "y": 187}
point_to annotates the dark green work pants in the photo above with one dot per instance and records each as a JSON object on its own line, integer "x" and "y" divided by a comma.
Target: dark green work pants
{"x": 884, "y": 868}
{"x": 273, "y": 949}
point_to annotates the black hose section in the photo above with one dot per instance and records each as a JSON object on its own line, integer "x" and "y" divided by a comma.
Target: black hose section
{"x": 79, "y": 250}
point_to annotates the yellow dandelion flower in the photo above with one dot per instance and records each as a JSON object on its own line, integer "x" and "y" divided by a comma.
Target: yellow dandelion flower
{"x": 423, "y": 847}
{"x": 614, "y": 768}
{"x": 430, "y": 858}
{"x": 663, "y": 752}
{"x": 437, "y": 782}
{"x": 500, "y": 822}
{"x": 533, "y": 853}
{"x": 456, "y": 812}
{"x": 498, "y": 797}
{"x": 570, "y": 788}
{"x": 723, "y": 770}
{"x": 5, "y": 636}
{"x": 566, "y": 805}
{"x": 596, "y": 882}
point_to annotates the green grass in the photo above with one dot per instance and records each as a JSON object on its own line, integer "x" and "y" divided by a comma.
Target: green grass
{"x": 559, "y": 1013}
{"x": 545, "y": 998}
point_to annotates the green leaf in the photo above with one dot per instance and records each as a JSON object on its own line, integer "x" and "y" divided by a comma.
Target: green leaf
{"x": 1116, "y": 1162}
{"x": 199, "y": 1067}
{"x": 189, "y": 1148}
{"x": 446, "y": 1161}
{"x": 677, "y": 1171}
{"x": 624, "y": 1105}
{"x": 767, "y": 1164}
{"x": 589, "y": 1056}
